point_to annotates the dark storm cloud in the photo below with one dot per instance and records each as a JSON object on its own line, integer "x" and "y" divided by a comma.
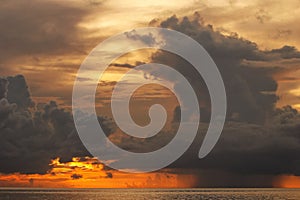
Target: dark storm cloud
{"x": 250, "y": 90}
{"x": 31, "y": 28}
{"x": 258, "y": 141}
{"x": 31, "y": 137}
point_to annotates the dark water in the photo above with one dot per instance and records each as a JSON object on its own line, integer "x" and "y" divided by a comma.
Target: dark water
{"x": 145, "y": 194}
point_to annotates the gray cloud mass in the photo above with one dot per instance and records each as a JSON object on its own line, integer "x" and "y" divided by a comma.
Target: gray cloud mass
{"x": 32, "y": 136}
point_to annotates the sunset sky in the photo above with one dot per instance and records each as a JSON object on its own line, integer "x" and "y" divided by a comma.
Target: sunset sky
{"x": 255, "y": 45}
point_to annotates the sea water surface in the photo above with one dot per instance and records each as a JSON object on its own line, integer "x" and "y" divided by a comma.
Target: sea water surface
{"x": 145, "y": 194}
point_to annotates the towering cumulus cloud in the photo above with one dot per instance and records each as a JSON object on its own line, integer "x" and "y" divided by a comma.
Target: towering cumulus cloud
{"x": 250, "y": 90}
{"x": 33, "y": 135}
{"x": 258, "y": 139}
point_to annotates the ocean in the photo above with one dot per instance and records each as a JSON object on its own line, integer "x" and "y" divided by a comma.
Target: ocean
{"x": 148, "y": 194}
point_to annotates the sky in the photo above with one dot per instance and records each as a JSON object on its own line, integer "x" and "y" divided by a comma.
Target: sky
{"x": 255, "y": 45}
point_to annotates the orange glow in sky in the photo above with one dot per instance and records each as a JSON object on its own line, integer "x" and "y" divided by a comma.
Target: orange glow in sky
{"x": 287, "y": 181}
{"x": 89, "y": 173}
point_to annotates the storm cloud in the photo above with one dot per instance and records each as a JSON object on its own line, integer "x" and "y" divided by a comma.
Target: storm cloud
{"x": 250, "y": 90}
{"x": 256, "y": 131}
{"x": 33, "y": 135}
{"x": 259, "y": 141}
